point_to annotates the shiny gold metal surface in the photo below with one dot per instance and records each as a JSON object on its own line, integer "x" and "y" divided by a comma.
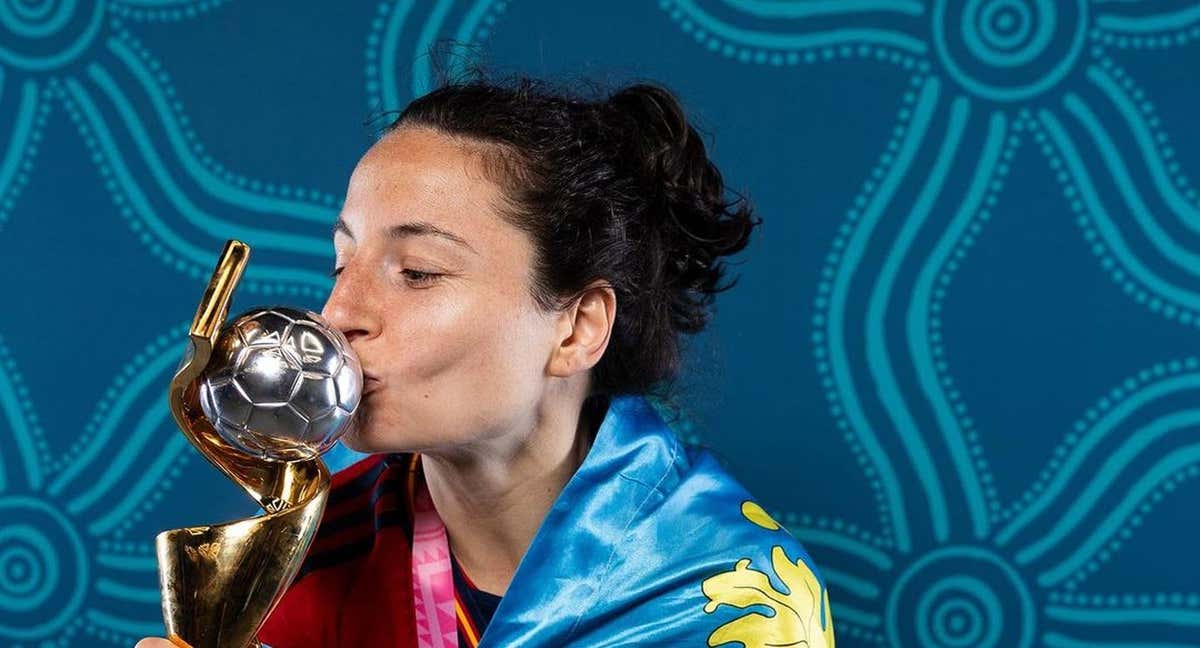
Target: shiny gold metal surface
{"x": 220, "y": 582}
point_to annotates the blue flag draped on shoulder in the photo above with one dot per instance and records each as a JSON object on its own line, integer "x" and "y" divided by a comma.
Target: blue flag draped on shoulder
{"x": 652, "y": 542}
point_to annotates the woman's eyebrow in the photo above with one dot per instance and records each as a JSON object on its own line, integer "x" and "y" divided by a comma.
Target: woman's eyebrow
{"x": 415, "y": 228}
{"x": 421, "y": 228}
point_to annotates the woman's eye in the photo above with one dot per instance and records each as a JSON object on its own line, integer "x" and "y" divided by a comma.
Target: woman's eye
{"x": 336, "y": 272}
{"x": 419, "y": 277}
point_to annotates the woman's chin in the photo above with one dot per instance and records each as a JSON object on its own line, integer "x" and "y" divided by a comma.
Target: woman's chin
{"x": 356, "y": 440}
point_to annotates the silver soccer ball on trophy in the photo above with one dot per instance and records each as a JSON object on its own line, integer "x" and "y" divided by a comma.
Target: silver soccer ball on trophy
{"x": 282, "y": 384}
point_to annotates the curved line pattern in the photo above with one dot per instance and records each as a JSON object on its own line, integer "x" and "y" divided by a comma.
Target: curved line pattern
{"x": 1090, "y": 440}
{"x": 1104, "y": 224}
{"x": 22, "y": 130}
{"x": 421, "y": 63}
{"x": 149, "y": 375}
{"x": 162, "y": 10}
{"x": 893, "y": 491}
{"x": 1056, "y": 640}
{"x": 128, "y": 627}
{"x": 832, "y": 37}
{"x": 206, "y": 179}
{"x": 1153, "y": 23}
{"x": 917, "y": 323}
{"x": 1104, "y": 617}
{"x": 1185, "y": 259}
{"x": 848, "y": 614}
{"x": 387, "y": 61}
{"x": 168, "y": 3}
{"x": 1160, "y": 472}
{"x": 468, "y": 30}
{"x": 825, "y": 7}
{"x": 859, "y": 550}
{"x": 877, "y": 357}
{"x": 1105, "y": 476}
{"x": 1187, "y": 212}
{"x": 855, "y": 585}
{"x": 123, "y": 562}
{"x": 31, "y": 28}
{"x": 123, "y": 592}
{"x": 189, "y": 210}
{"x": 151, "y": 421}
{"x": 60, "y": 58}
{"x": 152, "y": 478}
{"x": 25, "y": 432}
{"x": 142, "y": 205}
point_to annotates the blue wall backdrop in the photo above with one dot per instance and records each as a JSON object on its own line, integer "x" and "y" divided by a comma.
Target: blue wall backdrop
{"x": 960, "y": 363}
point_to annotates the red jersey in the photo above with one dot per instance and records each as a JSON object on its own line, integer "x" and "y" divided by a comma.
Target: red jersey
{"x": 355, "y": 585}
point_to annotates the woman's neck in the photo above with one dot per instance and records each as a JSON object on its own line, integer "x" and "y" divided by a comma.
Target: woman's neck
{"x": 493, "y": 498}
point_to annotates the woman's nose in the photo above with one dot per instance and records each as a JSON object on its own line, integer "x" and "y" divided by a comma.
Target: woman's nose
{"x": 348, "y": 309}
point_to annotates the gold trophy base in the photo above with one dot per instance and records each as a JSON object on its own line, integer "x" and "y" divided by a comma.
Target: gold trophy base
{"x": 220, "y": 582}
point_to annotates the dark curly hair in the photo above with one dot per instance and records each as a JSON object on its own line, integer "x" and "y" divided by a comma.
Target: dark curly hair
{"x": 617, "y": 188}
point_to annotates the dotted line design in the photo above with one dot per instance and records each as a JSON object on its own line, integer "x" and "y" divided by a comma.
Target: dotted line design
{"x": 172, "y": 341}
{"x": 797, "y": 523}
{"x": 779, "y": 57}
{"x": 1126, "y": 600}
{"x": 1095, "y": 242}
{"x": 118, "y": 198}
{"x": 66, "y": 634}
{"x": 29, "y": 155}
{"x": 375, "y": 37}
{"x": 136, "y": 548}
{"x": 37, "y": 434}
{"x": 1135, "y": 520}
{"x": 821, "y": 303}
{"x": 843, "y": 628}
{"x": 1173, "y": 38}
{"x": 371, "y": 70}
{"x": 104, "y": 634}
{"x": 151, "y": 501}
{"x": 1128, "y": 387}
{"x": 488, "y": 22}
{"x": 941, "y": 287}
{"x": 1165, "y": 150}
{"x": 121, "y": 202}
{"x": 272, "y": 189}
{"x": 163, "y": 14}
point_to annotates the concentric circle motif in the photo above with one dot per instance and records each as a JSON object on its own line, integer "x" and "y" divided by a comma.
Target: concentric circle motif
{"x": 46, "y": 34}
{"x": 1009, "y": 50}
{"x": 43, "y": 569}
{"x": 958, "y": 597}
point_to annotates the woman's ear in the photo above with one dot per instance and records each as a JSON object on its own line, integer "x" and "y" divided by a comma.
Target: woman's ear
{"x": 584, "y": 330}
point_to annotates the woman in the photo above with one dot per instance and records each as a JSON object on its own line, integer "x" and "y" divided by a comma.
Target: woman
{"x": 514, "y": 268}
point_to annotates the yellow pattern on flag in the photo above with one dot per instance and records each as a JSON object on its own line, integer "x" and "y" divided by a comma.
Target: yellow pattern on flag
{"x": 797, "y": 613}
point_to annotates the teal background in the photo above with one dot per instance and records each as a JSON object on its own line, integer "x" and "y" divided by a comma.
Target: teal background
{"x": 960, "y": 362}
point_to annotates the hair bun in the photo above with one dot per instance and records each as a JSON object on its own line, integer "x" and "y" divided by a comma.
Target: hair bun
{"x": 686, "y": 195}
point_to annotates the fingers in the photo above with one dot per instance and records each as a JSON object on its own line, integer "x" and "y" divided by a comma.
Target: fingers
{"x": 154, "y": 642}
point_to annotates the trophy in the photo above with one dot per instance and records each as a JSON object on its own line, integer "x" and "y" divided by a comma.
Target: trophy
{"x": 261, "y": 398}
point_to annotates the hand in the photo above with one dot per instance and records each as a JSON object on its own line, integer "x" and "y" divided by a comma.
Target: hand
{"x": 154, "y": 642}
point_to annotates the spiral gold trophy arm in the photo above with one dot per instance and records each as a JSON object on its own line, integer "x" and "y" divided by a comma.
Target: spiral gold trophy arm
{"x": 220, "y": 582}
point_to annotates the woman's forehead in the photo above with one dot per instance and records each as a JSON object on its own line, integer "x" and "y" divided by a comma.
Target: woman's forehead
{"x": 421, "y": 174}
{"x": 418, "y": 160}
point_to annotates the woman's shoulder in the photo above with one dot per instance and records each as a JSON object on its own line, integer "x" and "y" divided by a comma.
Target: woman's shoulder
{"x": 709, "y": 550}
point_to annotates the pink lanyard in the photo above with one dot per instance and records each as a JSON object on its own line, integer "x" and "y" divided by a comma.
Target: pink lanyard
{"x": 433, "y": 580}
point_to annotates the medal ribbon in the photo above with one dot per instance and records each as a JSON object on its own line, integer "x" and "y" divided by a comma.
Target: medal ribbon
{"x": 432, "y": 578}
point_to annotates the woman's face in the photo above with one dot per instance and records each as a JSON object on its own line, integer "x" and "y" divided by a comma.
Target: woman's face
{"x": 453, "y": 347}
